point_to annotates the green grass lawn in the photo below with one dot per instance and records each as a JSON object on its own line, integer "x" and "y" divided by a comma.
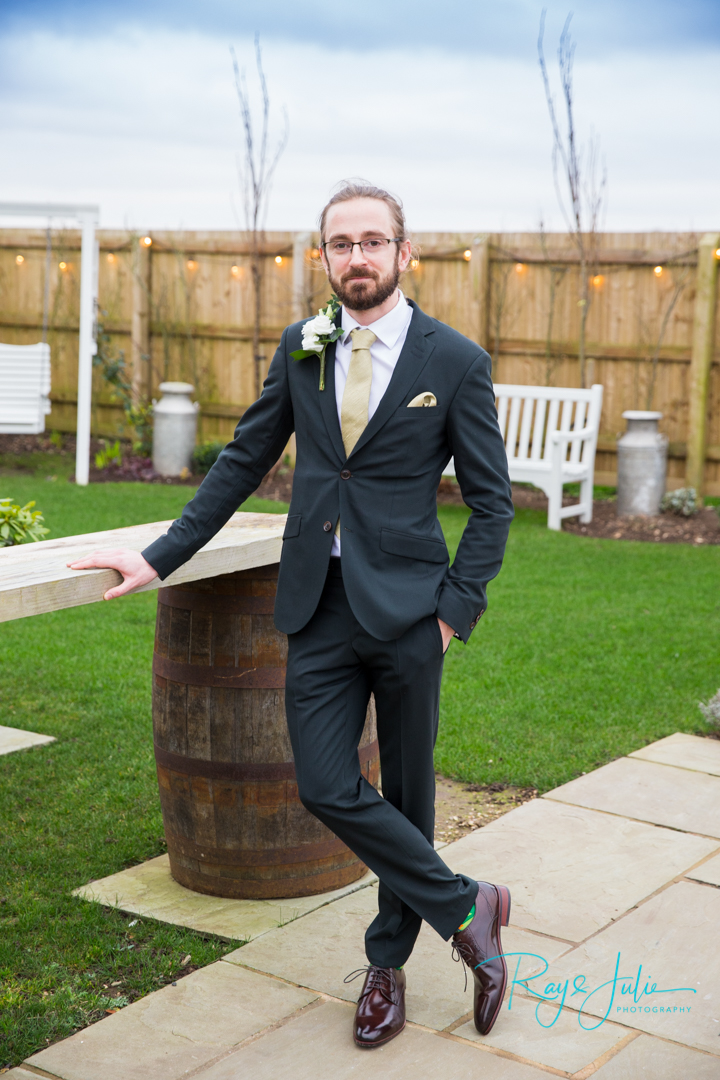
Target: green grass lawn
{"x": 589, "y": 649}
{"x": 85, "y": 806}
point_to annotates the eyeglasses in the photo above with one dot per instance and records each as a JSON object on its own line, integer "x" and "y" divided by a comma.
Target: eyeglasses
{"x": 373, "y": 246}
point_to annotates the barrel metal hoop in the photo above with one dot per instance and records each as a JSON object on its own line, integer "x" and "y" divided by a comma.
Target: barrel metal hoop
{"x": 254, "y": 678}
{"x": 216, "y": 603}
{"x": 208, "y": 855}
{"x": 244, "y": 772}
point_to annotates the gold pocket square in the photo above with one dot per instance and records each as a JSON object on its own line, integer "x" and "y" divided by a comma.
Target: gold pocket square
{"x": 422, "y": 401}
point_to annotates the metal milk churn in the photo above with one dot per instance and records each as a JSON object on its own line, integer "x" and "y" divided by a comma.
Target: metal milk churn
{"x": 641, "y": 464}
{"x": 174, "y": 428}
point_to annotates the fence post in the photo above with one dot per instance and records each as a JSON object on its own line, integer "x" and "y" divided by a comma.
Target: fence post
{"x": 480, "y": 270}
{"x": 302, "y": 242}
{"x": 141, "y": 367}
{"x": 702, "y": 353}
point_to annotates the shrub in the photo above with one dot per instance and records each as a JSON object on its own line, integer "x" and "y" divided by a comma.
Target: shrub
{"x": 20, "y": 524}
{"x": 138, "y": 411}
{"x": 205, "y": 456}
{"x": 711, "y": 711}
{"x": 108, "y": 454}
{"x": 683, "y": 502}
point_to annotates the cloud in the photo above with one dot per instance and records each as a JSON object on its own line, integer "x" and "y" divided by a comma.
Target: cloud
{"x": 483, "y": 27}
{"x": 146, "y": 122}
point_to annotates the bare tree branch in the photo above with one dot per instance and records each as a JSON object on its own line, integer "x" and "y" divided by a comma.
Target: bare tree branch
{"x": 256, "y": 171}
{"x": 585, "y": 183}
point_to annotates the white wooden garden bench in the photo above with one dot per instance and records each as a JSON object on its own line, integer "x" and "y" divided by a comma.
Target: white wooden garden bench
{"x": 24, "y": 388}
{"x": 550, "y": 435}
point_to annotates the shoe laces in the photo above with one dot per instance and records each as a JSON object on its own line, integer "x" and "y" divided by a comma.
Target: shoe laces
{"x": 462, "y": 954}
{"x": 380, "y": 979}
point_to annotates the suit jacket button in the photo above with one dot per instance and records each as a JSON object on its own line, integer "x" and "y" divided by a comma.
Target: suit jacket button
{"x": 327, "y": 526}
{"x": 346, "y": 474}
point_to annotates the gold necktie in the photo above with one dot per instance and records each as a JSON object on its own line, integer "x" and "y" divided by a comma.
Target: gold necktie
{"x": 356, "y": 395}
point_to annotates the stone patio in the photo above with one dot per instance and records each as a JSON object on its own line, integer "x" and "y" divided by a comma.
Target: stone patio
{"x": 12, "y": 739}
{"x": 615, "y": 882}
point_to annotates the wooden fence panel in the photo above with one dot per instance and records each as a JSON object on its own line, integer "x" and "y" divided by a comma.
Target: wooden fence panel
{"x": 182, "y": 308}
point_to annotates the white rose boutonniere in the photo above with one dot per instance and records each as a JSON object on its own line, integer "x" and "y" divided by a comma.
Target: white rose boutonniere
{"x": 318, "y": 333}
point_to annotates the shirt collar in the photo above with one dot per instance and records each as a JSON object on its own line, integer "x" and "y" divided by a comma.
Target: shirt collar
{"x": 387, "y": 329}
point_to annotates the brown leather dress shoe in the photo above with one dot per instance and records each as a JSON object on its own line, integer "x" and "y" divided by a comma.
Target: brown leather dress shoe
{"x": 380, "y": 1013}
{"x": 479, "y": 947}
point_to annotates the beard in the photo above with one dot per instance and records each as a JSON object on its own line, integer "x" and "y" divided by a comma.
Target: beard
{"x": 367, "y": 290}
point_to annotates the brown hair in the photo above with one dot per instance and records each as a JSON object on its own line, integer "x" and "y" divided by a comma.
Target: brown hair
{"x": 359, "y": 189}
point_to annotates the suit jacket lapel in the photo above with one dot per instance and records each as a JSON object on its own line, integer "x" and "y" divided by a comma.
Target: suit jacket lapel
{"x": 328, "y": 405}
{"x": 415, "y": 354}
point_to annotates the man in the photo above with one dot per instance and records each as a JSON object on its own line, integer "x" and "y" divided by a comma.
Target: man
{"x": 365, "y": 593}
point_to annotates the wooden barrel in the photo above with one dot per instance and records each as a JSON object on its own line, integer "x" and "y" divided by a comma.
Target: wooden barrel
{"x": 234, "y": 824}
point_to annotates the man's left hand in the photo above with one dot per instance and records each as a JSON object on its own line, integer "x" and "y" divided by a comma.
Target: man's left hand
{"x": 447, "y": 634}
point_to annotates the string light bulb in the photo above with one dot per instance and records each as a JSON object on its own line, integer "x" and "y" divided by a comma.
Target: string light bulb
{"x": 315, "y": 253}
{"x": 62, "y": 265}
{"x": 147, "y": 241}
{"x": 278, "y": 260}
{"x": 519, "y": 268}
{"x": 598, "y": 281}
{"x": 467, "y": 255}
{"x": 235, "y": 270}
{"x": 19, "y": 259}
{"x": 110, "y": 257}
{"x": 717, "y": 253}
{"x": 657, "y": 271}
{"x": 414, "y": 263}
{"x": 191, "y": 264}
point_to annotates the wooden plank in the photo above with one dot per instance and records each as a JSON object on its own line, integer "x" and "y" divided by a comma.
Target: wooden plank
{"x": 34, "y": 578}
{"x": 605, "y": 257}
{"x": 140, "y": 332}
{"x": 702, "y": 355}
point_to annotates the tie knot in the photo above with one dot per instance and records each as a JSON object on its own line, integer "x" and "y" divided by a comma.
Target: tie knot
{"x": 362, "y": 339}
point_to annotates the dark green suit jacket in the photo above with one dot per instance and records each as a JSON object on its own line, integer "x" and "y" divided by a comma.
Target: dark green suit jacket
{"x": 394, "y": 558}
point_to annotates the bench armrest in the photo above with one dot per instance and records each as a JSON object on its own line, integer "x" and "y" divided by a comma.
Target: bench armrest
{"x": 573, "y": 436}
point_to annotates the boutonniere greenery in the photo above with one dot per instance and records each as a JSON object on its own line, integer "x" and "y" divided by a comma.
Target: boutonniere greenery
{"x": 318, "y": 333}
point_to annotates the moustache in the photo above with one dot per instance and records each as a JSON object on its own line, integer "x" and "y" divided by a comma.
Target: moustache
{"x": 355, "y": 274}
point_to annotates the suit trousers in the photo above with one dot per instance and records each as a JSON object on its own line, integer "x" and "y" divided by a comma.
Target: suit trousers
{"x": 333, "y": 667}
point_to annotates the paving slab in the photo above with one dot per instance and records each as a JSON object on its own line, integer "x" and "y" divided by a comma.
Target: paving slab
{"x": 655, "y": 1059}
{"x": 320, "y": 950}
{"x": 669, "y": 942}
{"x": 20, "y": 1074}
{"x": 150, "y": 890}
{"x": 317, "y": 1045}
{"x": 571, "y": 870}
{"x": 685, "y": 752}
{"x": 539, "y": 1033}
{"x": 12, "y": 739}
{"x": 175, "y": 1030}
{"x": 708, "y": 871}
{"x": 643, "y": 790}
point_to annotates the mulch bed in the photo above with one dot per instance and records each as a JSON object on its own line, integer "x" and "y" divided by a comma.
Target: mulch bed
{"x": 703, "y": 527}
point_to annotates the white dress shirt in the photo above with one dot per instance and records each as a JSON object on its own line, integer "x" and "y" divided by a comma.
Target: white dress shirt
{"x": 390, "y": 331}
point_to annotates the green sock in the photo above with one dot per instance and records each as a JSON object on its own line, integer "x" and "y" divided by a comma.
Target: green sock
{"x": 400, "y": 968}
{"x": 467, "y": 922}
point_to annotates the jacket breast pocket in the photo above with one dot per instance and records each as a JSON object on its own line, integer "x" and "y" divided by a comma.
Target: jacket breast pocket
{"x": 410, "y": 546}
{"x": 421, "y": 414}
{"x": 292, "y": 528}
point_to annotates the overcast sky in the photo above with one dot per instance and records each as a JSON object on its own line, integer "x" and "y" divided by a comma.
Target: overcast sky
{"x": 132, "y": 106}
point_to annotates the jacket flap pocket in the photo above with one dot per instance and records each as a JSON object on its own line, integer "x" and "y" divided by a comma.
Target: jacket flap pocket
{"x": 293, "y": 526}
{"x": 413, "y": 547}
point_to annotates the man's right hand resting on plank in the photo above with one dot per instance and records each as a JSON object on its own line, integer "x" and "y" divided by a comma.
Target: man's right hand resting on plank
{"x": 136, "y": 571}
